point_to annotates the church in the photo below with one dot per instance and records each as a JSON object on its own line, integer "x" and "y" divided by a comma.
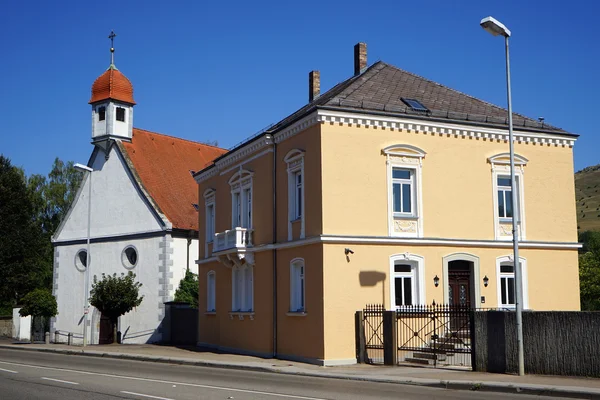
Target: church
{"x": 137, "y": 206}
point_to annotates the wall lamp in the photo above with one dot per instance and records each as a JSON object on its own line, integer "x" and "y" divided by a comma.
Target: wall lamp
{"x": 436, "y": 281}
{"x": 486, "y": 280}
{"x": 348, "y": 251}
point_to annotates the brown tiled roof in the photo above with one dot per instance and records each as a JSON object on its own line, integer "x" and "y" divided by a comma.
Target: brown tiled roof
{"x": 112, "y": 84}
{"x": 162, "y": 164}
{"x": 382, "y": 86}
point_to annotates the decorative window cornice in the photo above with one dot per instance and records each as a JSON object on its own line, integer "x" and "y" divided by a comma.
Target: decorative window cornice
{"x": 209, "y": 195}
{"x": 405, "y": 150}
{"x": 504, "y": 159}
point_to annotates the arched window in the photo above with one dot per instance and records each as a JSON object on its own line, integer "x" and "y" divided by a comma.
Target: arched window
{"x": 297, "y": 299}
{"x": 211, "y": 286}
{"x": 242, "y": 285}
{"x": 406, "y": 284}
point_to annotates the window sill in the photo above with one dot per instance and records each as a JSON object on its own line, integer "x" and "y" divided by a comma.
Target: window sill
{"x": 241, "y": 314}
{"x": 296, "y": 220}
{"x": 296, "y": 314}
{"x": 405, "y": 216}
{"x": 210, "y": 313}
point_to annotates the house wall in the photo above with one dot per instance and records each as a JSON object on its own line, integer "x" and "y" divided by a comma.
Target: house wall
{"x": 364, "y": 278}
{"x": 457, "y": 184}
{"x": 181, "y": 261}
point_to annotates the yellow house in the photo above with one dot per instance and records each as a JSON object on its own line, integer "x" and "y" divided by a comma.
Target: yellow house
{"x": 388, "y": 188}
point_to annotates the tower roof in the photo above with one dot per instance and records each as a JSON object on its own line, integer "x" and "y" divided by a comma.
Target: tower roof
{"x": 112, "y": 84}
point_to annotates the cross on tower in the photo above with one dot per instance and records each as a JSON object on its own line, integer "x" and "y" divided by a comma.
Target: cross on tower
{"x": 112, "y": 48}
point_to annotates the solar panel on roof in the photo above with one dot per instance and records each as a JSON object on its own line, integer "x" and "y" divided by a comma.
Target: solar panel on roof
{"x": 414, "y": 104}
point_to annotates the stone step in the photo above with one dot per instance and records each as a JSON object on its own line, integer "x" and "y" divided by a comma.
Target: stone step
{"x": 430, "y": 356}
{"x": 417, "y": 360}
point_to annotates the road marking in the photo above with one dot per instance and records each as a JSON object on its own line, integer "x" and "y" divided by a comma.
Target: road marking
{"x": 146, "y": 395}
{"x": 8, "y": 370}
{"x": 58, "y": 380}
{"x": 290, "y": 396}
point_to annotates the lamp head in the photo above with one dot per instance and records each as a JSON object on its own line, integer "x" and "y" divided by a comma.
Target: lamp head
{"x": 82, "y": 168}
{"x": 495, "y": 27}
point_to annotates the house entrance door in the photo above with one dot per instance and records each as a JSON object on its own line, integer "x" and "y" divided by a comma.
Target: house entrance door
{"x": 459, "y": 290}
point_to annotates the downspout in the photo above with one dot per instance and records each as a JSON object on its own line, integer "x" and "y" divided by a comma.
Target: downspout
{"x": 274, "y": 249}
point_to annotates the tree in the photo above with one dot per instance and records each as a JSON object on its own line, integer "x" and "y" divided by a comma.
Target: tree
{"x": 115, "y": 295}
{"x": 39, "y": 303}
{"x": 24, "y": 262}
{"x": 187, "y": 291}
{"x": 589, "y": 271}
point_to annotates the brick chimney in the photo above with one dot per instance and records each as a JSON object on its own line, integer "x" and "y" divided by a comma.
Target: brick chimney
{"x": 314, "y": 85}
{"x": 360, "y": 57}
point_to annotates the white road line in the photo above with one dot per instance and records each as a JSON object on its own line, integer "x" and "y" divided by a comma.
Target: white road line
{"x": 133, "y": 378}
{"x": 58, "y": 380}
{"x": 8, "y": 370}
{"x": 146, "y": 395}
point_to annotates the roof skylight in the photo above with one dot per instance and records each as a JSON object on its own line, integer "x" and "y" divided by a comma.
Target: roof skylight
{"x": 414, "y": 104}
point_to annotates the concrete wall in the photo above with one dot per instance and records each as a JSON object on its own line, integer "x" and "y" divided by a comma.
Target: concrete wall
{"x": 6, "y": 325}
{"x": 555, "y": 343}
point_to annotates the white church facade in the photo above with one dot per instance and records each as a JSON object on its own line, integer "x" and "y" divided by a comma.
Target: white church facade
{"x": 142, "y": 218}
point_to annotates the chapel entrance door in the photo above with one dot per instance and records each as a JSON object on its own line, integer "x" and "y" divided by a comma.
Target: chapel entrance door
{"x": 106, "y": 331}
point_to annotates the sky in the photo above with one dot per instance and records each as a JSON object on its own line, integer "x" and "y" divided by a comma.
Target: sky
{"x": 206, "y": 71}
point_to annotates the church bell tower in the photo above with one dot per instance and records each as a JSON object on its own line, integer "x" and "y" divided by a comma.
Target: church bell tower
{"x": 112, "y": 105}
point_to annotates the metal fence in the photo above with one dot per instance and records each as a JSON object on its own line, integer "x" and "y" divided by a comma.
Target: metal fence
{"x": 428, "y": 335}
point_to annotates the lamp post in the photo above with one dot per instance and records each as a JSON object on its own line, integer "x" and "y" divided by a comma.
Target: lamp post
{"x": 496, "y": 28}
{"x": 88, "y": 171}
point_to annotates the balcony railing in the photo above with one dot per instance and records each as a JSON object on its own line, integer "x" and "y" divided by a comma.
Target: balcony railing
{"x": 237, "y": 238}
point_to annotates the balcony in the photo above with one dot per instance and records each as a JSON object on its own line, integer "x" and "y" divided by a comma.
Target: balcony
{"x": 232, "y": 246}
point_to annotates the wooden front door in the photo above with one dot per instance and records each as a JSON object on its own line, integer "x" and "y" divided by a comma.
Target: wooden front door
{"x": 106, "y": 331}
{"x": 459, "y": 291}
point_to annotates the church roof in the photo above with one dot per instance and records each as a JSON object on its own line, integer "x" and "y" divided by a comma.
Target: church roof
{"x": 163, "y": 165}
{"x": 112, "y": 84}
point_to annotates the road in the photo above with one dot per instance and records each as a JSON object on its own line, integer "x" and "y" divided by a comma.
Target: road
{"x": 37, "y": 375}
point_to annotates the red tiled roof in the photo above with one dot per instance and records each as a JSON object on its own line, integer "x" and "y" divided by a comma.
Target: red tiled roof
{"x": 162, "y": 164}
{"x": 112, "y": 84}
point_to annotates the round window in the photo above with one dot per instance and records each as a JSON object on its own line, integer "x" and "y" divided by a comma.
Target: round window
{"x": 81, "y": 260}
{"x": 129, "y": 257}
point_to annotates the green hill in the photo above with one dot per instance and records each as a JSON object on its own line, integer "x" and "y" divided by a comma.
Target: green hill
{"x": 587, "y": 195}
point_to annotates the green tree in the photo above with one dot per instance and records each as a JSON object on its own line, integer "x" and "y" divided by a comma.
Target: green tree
{"x": 23, "y": 261}
{"x": 115, "y": 295}
{"x": 589, "y": 271}
{"x": 187, "y": 291}
{"x": 39, "y": 303}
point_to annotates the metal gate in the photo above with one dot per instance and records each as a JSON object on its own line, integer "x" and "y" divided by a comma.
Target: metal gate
{"x": 435, "y": 335}
{"x": 373, "y": 333}
{"x": 39, "y": 326}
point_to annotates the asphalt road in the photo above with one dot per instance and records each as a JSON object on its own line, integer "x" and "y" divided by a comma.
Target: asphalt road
{"x": 37, "y": 375}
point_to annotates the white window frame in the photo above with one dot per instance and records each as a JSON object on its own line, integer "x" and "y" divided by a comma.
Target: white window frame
{"x": 295, "y": 166}
{"x": 501, "y": 168}
{"x": 241, "y": 199}
{"x": 209, "y": 201}
{"x": 403, "y": 181}
{"x": 417, "y": 264}
{"x": 242, "y": 289}
{"x": 211, "y": 291}
{"x": 508, "y": 260}
{"x": 297, "y": 286}
{"x": 408, "y": 157}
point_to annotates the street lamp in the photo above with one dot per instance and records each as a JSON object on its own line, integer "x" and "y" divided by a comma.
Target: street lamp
{"x": 88, "y": 171}
{"x": 496, "y": 28}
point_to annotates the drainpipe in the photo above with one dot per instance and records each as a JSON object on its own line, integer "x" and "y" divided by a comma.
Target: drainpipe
{"x": 274, "y": 250}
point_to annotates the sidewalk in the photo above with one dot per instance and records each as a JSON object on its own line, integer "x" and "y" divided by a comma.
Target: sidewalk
{"x": 586, "y": 388}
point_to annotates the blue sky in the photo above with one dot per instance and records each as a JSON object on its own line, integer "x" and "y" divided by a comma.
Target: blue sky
{"x": 223, "y": 70}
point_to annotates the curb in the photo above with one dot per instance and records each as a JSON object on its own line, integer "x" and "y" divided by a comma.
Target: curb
{"x": 488, "y": 386}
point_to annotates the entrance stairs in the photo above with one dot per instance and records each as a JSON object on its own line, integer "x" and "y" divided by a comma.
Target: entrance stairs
{"x": 443, "y": 351}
